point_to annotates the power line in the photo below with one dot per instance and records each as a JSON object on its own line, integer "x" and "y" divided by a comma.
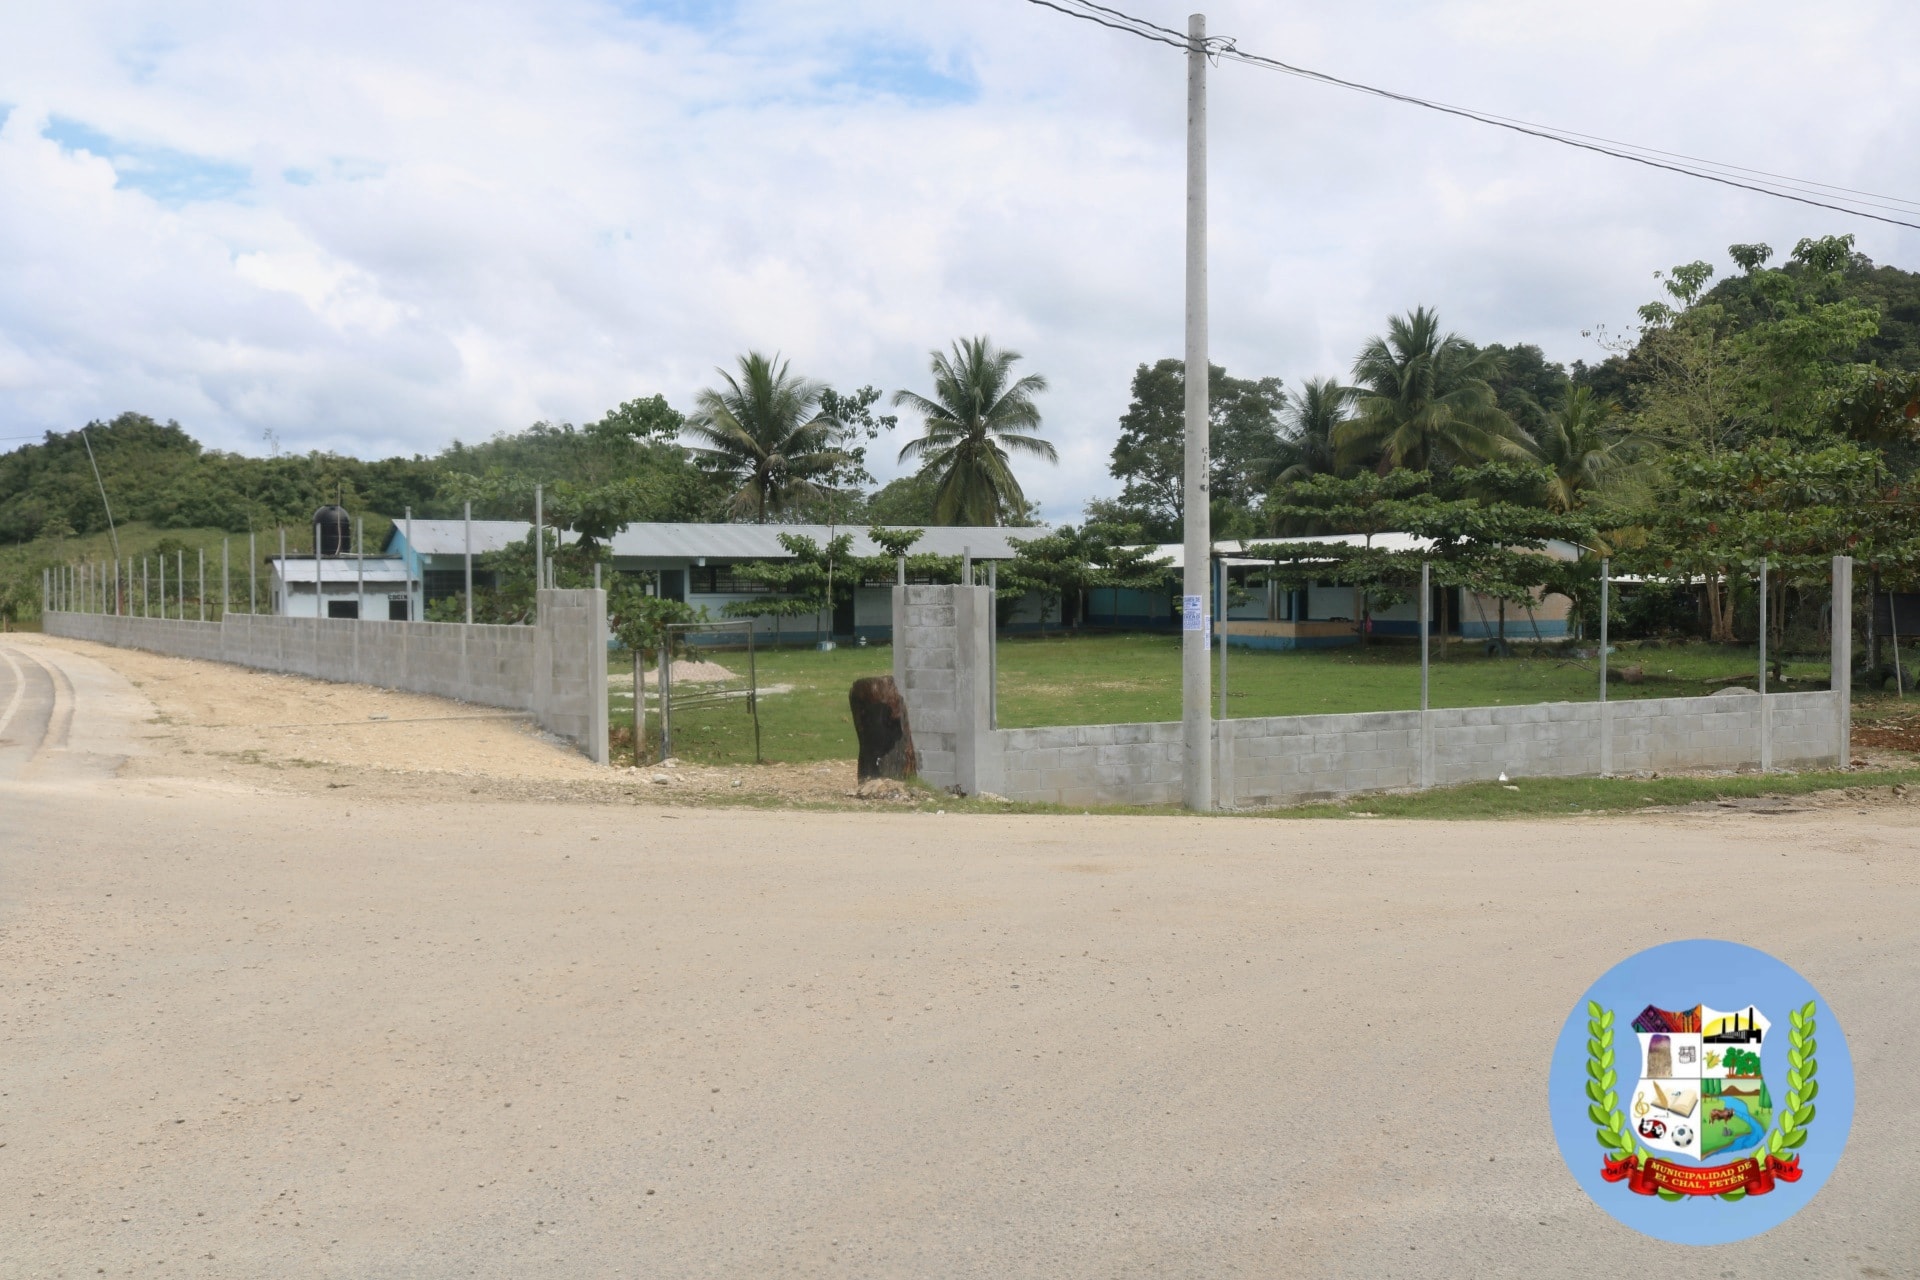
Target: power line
{"x": 1759, "y": 181}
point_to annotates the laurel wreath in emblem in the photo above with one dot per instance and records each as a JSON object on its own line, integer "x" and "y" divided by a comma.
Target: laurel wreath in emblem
{"x": 1790, "y": 1122}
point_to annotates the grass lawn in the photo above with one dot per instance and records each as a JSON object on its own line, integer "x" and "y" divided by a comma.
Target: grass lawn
{"x": 1103, "y": 679}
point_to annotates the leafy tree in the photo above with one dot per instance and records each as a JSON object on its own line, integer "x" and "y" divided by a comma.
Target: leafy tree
{"x": 908, "y": 500}
{"x": 808, "y": 584}
{"x": 1715, "y": 515}
{"x": 1308, "y": 423}
{"x": 1149, "y": 458}
{"x": 765, "y": 437}
{"x": 1478, "y": 537}
{"x": 1056, "y": 567}
{"x": 1527, "y": 384}
{"x": 639, "y": 619}
{"x": 1583, "y": 443}
{"x": 1368, "y": 504}
{"x": 977, "y": 415}
{"x": 1424, "y": 401}
{"x": 1736, "y": 383}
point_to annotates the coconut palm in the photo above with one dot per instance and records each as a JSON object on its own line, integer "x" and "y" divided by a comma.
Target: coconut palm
{"x": 1423, "y": 398}
{"x": 1584, "y": 443}
{"x": 764, "y": 436}
{"x": 977, "y": 415}
{"x": 1309, "y": 420}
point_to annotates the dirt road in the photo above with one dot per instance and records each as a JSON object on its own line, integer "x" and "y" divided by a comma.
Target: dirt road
{"x": 252, "y": 1026}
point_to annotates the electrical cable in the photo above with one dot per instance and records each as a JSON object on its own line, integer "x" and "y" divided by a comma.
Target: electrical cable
{"x": 1761, "y": 182}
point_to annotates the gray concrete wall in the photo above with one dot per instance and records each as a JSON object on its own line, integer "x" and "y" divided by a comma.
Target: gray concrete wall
{"x": 942, "y": 655}
{"x": 555, "y": 671}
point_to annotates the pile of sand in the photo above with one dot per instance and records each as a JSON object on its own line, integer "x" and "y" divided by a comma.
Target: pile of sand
{"x": 685, "y": 671}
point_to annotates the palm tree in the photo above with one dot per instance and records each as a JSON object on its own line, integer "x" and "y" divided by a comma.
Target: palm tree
{"x": 977, "y": 414}
{"x": 1583, "y": 442}
{"x": 764, "y": 436}
{"x": 1423, "y": 398}
{"x": 1310, "y": 419}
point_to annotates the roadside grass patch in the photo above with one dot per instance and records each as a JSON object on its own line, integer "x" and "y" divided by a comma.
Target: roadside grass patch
{"x": 1563, "y": 797}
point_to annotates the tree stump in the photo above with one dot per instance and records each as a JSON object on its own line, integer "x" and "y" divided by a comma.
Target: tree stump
{"x": 880, "y": 721}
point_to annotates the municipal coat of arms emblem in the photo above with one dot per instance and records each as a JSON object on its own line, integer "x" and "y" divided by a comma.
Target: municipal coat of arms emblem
{"x": 1716, "y": 1120}
{"x": 1701, "y": 1096}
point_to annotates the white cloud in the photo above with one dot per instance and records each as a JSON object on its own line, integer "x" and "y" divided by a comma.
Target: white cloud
{"x": 458, "y": 219}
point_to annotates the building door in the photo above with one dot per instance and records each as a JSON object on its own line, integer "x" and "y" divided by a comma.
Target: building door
{"x": 843, "y": 617}
{"x": 396, "y": 608}
{"x": 673, "y": 584}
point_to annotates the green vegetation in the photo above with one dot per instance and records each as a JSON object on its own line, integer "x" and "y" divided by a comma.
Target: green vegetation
{"x": 1564, "y": 797}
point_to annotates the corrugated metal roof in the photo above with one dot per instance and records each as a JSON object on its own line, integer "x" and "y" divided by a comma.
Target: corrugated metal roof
{"x": 1233, "y": 551}
{"x": 448, "y": 537}
{"x": 722, "y": 542}
{"x": 334, "y": 569}
{"x": 726, "y": 542}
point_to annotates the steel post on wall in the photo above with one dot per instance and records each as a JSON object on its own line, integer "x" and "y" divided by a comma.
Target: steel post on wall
{"x": 1196, "y": 730}
{"x": 1842, "y": 660}
{"x": 1606, "y": 708}
{"x": 1223, "y": 757}
{"x": 467, "y": 526}
{"x": 993, "y": 653}
{"x": 1426, "y": 651}
{"x": 1766, "y": 704}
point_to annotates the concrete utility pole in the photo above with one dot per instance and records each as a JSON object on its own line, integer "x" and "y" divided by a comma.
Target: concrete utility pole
{"x": 1195, "y": 718}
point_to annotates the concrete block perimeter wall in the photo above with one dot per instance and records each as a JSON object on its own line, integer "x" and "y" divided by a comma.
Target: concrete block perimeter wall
{"x": 555, "y": 671}
{"x": 942, "y": 656}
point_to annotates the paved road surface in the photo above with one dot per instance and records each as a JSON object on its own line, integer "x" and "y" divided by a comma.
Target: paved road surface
{"x": 255, "y": 1035}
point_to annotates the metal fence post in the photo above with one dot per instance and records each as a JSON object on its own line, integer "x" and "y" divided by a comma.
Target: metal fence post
{"x": 1841, "y": 661}
{"x": 1766, "y": 703}
{"x": 1426, "y": 652}
{"x": 993, "y": 645}
{"x": 468, "y": 526}
{"x": 202, "y": 593}
{"x": 665, "y": 685}
{"x": 1606, "y": 708}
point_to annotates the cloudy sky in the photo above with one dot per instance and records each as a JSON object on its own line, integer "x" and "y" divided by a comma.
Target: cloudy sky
{"x": 376, "y": 227}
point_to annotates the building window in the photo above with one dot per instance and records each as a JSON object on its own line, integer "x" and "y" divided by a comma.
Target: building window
{"x": 724, "y": 579}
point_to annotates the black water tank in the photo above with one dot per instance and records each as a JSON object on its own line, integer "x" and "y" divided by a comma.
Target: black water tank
{"x": 336, "y": 530}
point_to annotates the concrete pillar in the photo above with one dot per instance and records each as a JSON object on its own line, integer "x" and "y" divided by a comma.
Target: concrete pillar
{"x": 942, "y": 663}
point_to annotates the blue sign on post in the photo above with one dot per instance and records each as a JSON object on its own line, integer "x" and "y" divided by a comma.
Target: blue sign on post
{"x": 1193, "y": 613}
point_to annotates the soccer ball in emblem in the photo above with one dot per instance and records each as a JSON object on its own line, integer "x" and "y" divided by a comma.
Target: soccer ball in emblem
{"x": 1682, "y": 1136}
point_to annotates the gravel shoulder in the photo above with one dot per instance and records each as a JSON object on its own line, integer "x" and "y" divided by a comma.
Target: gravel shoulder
{"x": 211, "y": 724}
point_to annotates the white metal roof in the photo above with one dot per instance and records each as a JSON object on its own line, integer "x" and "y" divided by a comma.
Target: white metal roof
{"x": 728, "y": 542}
{"x": 339, "y": 569}
{"x": 719, "y": 542}
{"x": 1233, "y": 551}
{"x": 448, "y": 537}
